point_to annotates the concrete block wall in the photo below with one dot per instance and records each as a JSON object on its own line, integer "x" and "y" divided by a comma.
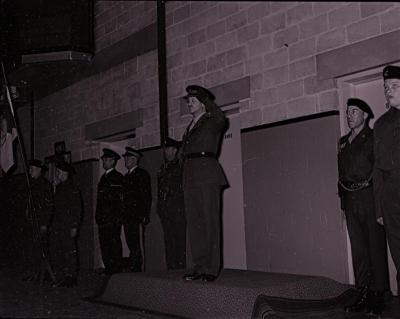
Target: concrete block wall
{"x": 129, "y": 86}
{"x": 211, "y": 43}
{"x": 275, "y": 43}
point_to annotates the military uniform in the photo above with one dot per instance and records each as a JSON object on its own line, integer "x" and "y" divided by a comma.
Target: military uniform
{"x": 203, "y": 180}
{"x": 387, "y": 173}
{"x": 109, "y": 216}
{"x": 170, "y": 208}
{"x": 67, "y": 216}
{"x": 367, "y": 237}
{"x": 37, "y": 217}
{"x": 137, "y": 205}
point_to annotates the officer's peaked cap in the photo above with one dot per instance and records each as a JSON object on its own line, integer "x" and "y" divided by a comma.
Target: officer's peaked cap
{"x": 36, "y": 163}
{"x": 362, "y": 105}
{"x": 65, "y": 167}
{"x": 391, "y": 72}
{"x": 170, "y": 142}
{"x": 130, "y": 151}
{"x": 110, "y": 154}
{"x": 200, "y": 92}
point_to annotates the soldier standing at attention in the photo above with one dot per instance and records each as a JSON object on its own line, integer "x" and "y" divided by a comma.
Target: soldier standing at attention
{"x": 367, "y": 237}
{"x": 170, "y": 206}
{"x": 137, "y": 205}
{"x": 65, "y": 226}
{"x": 109, "y": 213}
{"x": 203, "y": 180}
{"x": 387, "y": 165}
{"x": 37, "y": 221}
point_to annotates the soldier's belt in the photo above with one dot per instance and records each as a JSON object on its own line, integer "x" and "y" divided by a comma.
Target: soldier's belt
{"x": 355, "y": 186}
{"x": 200, "y": 154}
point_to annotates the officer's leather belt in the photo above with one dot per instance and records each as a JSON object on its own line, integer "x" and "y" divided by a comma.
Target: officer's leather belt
{"x": 357, "y": 185}
{"x": 200, "y": 154}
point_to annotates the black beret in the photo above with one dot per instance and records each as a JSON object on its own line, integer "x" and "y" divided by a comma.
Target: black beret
{"x": 391, "y": 72}
{"x": 110, "y": 154}
{"x": 130, "y": 151}
{"x": 200, "y": 92}
{"x": 362, "y": 105}
{"x": 170, "y": 142}
{"x": 36, "y": 163}
{"x": 65, "y": 167}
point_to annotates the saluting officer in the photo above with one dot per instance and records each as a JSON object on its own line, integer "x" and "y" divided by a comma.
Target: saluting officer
{"x": 65, "y": 226}
{"x": 387, "y": 165}
{"x": 37, "y": 220}
{"x": 203, "y": 180}
{"x": 109, "y": 212}
{"x": 170, "y": 206}
{"x": 137, "y": 205}
{"x": 367, "y": 237}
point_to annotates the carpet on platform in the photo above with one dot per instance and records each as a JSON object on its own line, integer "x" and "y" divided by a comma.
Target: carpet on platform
{"x": 235, "y": 294}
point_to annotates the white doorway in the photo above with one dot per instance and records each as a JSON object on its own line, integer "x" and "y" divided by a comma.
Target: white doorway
{"x": 368, "y": 86}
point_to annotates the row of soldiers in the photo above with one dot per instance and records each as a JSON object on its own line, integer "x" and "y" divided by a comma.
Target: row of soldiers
{"x": 124, "y": 201}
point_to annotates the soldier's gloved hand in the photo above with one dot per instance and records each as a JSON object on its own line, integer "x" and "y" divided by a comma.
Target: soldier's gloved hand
{"x": 43, "y": 229}
{"x": 145, "y": 221}
{"x": 380, "y": 221}
{"x": 73, "y": 232}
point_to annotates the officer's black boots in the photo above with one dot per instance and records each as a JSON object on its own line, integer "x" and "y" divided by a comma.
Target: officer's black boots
{"x": 362, "y": 303}
{"x": 377, "y": 303}
{"x": 371, "y": 302}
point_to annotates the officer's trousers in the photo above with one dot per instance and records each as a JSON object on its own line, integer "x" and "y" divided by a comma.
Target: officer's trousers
{"x": 203, "y": 216}
{"x": 174, "y": 228}
{"x": 367, "y": 239}
{"x": 390, "y": 202}
{"x": 64, "y": 254}
{"x": 111, "y": 246}
{"x": 132, "y": 236}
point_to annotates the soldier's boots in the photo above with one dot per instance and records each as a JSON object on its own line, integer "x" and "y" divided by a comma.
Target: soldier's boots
{"x": 371, "y": 302}
{"x": 377, "y": 303}
{"x": 362, "y": 303}
{"x": 31, "y": 277}
{"x": 67, "y": 281}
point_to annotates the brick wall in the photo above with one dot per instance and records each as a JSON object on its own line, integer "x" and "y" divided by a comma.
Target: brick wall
{"x": 126, "y": 87}
{"x": 275, "y": 43}
{"x": 210, "y": 43}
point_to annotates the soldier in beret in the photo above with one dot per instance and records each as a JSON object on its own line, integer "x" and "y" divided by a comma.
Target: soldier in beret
{"x": 367, "y": 237}
{"x": 203, "y": 180}
{"x": 137, "y": 205}
{"x": 65, "y": 226}
{"x": 387, "y": 165}
{"x": 38, "y": 215}
{"x": 109, "y": 212}
{"x": 170, "y": 206}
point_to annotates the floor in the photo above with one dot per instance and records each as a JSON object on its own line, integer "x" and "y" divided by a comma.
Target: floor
{"x": 19, "y": 299}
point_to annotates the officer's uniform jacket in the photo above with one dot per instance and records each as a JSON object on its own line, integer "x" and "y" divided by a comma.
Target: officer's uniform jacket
{"x": 355, "y": 162}
{"x": 109, "y": 198}
{"x": 137, "y": 195}
{"x": 68, "y": 207}
{"x": 205, "y": 136}
{"x": 387, "y": 153}
{"x": 170, "y": 193}
{"x": 42, "y": 195}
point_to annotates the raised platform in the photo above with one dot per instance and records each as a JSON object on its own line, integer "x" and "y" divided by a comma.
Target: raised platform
{"x": 235, "y": 294}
